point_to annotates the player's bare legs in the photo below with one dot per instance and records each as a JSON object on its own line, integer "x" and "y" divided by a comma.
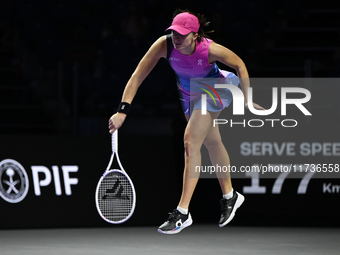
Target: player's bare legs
{"x": 199, "y": 130}
{"x": 218, "y": 155}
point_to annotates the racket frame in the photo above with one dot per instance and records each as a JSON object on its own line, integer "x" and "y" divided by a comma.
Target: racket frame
{"x": 114, "y": 142}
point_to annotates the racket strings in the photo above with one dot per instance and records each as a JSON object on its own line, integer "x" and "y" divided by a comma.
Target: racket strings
{"x": 115, "y": 196}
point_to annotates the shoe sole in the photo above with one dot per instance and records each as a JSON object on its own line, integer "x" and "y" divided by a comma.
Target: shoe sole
{"x": 186, "y": 224}
{"x": 239, "y": 202}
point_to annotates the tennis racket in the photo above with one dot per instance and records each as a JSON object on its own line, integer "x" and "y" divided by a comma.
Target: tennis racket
{"x": 115, "y": 193}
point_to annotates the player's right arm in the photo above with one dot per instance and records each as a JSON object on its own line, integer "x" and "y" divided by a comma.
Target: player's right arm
{"x": 157, "y": 50}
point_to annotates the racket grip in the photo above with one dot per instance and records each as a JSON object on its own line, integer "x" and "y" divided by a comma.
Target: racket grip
{"x": 115, "y": 141}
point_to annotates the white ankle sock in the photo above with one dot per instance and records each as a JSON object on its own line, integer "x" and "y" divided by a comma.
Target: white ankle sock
{"x": 229, "y": 195}
{"x": 182, "y": 210}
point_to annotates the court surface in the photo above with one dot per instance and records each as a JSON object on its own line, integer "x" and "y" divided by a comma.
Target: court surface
{"x": 197, "y": 239}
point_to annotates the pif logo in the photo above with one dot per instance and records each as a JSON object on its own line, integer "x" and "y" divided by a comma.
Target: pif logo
{"x": 13, "y": 181}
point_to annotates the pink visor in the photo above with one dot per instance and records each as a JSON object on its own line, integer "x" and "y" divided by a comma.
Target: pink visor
{"x": 184, "y": 23}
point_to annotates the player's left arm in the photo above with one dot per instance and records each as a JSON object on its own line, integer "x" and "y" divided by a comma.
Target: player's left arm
{"x": 222, "y": 54}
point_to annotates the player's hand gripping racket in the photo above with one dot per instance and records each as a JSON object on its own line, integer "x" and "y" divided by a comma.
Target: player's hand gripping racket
{"x": 115, "y": 193}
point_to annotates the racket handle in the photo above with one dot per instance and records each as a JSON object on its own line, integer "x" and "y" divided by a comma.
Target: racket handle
{"x": 115, "y": 141}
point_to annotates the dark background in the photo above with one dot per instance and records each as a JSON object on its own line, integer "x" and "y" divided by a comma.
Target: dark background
{"x": 63, "y": 68}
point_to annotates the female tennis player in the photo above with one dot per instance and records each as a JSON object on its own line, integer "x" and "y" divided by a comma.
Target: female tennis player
{"x": 193, "y": 55}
